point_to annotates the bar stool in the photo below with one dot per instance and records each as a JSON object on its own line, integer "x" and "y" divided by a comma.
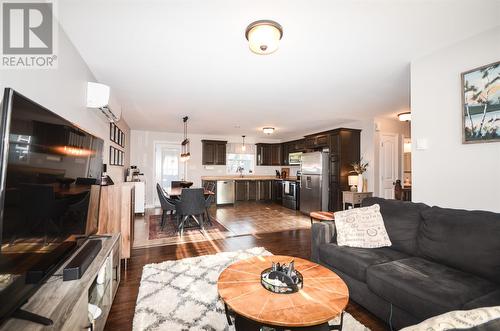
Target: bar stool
{"x": 321, "y": 216}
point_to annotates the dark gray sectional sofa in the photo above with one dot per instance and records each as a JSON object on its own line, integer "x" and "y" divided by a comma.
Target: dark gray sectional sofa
{"x": 440, "y": 260}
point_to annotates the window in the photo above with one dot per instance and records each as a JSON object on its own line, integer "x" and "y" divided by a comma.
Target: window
{"x": 246, "y": 161}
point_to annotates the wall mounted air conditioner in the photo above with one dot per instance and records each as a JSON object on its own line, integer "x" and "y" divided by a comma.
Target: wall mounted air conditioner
{"x": 98, "y": 96}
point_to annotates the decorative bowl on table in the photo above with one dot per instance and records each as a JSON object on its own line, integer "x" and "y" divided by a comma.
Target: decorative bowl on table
{"x": 282, "y": 278}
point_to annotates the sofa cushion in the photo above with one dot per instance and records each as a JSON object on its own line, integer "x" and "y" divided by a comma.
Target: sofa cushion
{"x": 402, "y": 220}
{"x": 488, "y": 300}
{"x": 466, "y": 240}
{"x": 425, "y": 288}
{"x": 354, "y": 261}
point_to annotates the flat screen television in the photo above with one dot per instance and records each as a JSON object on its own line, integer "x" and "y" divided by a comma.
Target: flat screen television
{"x": 48, "y": 171}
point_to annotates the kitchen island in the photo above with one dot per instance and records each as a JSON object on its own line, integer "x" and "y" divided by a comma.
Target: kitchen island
{"x": 247, "y": 188}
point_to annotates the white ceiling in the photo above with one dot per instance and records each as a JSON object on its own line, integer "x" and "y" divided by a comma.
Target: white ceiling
{"x": 338, "y": 60}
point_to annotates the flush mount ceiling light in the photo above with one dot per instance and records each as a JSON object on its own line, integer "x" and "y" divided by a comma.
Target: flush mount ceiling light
{"x": 264, "y": 36}
{"x": 405, "y": 117}
{"x": 268, "y": 130}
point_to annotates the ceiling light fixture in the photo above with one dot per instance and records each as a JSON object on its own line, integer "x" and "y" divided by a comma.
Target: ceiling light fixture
{"x": 264, "y": 36}
{"x": 268, "y": 130}
{"x": 185, "y": 153}
{"x": 405, "y": 117}
{"x": 243, "y": 147}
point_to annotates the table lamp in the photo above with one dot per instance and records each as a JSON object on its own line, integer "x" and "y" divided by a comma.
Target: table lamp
{"x": 353, "y": 182}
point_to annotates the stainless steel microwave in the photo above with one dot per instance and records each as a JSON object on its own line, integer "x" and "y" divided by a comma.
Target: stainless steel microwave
{"x": 294, "y": 158}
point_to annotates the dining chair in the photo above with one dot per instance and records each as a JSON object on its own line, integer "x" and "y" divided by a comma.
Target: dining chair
{"x": 191, "y": 206}
{"x": 175, "y": 183}
{"x": 209, "y": 200}
{"x": 167, "y": 204}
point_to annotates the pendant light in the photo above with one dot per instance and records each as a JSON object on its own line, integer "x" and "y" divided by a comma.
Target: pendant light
{"x": 243, "y": 147}
{"x": 185, "y": 153}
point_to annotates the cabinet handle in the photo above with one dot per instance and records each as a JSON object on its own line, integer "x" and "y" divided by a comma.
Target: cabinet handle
{"x": 115, "y": 277}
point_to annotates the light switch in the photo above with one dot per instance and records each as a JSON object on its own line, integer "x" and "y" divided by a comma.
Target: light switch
{"x": 422, "y": 144}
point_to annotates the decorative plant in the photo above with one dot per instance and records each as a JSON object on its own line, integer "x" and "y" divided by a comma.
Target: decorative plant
{"x": 360, "y": 167}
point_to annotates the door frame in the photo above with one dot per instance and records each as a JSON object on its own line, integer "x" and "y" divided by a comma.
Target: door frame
{"x": 396, "y": 160}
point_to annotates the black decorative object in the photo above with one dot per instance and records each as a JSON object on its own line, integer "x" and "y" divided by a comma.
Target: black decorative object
{"x": 282, "y": 278}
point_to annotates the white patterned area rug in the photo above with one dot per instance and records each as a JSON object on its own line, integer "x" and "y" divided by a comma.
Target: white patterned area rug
{"x": 182, "y": 295}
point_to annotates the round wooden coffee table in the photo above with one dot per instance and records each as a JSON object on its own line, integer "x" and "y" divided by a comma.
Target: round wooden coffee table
{"x": 323, "y": 297}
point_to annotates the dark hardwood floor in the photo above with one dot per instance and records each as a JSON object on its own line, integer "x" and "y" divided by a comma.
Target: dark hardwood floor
{"x": 291, "y": 242}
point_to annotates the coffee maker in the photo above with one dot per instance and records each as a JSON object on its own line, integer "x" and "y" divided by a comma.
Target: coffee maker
{"x": 134, "y": 174}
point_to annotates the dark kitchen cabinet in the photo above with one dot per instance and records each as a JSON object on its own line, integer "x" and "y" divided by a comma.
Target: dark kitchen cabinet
{"x": 252, "y": 190}
{"x": 277, "y": 190}
{"x": 241, "y": 190}
{"x": 316, "y": 141}
{"x": 265, "y": 189}
{"x": 213, "y": 152}
{"x": 344, "y": 145}
{"x": 276, "y": 155}
{"x": 269, "y": 154}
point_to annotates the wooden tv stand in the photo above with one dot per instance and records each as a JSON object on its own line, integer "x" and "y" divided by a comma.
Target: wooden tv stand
{"x": 66, "y": 303}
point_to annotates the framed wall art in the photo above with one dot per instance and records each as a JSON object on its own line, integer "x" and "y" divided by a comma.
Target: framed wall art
{"x": 116, "y": 156}
{"x": 116, "y": 135}
{"x": 481, "y": 104}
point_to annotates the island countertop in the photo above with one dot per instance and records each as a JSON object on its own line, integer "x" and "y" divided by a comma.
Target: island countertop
{"x": 246, "y": 177}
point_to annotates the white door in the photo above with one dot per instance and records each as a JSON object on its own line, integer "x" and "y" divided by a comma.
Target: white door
{"x": 389, "y": 163}
{"x": 168, "y": 166}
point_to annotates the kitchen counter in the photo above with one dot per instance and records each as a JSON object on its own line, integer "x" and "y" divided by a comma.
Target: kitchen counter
{"x": 246, "y": 177}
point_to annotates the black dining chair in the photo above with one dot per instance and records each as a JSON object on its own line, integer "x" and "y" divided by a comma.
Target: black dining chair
{"x": 85, "y": 181}
{"x": 209, "y": 200}
{"x": 191, "y": 206}
{"x": 167, "y": 204}
{"x": 175, "y": 183}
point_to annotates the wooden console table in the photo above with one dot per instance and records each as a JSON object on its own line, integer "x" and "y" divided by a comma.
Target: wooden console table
{"x": 66, "y": 303}
{"x": 354, "y": 198}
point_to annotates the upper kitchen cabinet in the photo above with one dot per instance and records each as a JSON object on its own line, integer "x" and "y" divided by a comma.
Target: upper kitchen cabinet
{"x": 213, "y": 152}
{"x": 269, "y": 154}
{"x": 316, "y": 141}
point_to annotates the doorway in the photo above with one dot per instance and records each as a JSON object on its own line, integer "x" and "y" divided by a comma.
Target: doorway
{"x": 167, "y": 166}
{"x": 388, "y": 164}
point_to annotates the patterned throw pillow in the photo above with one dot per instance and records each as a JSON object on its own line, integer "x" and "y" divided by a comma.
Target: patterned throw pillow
{"x": 361, "y": 227}
{"x": 458, "y": 319}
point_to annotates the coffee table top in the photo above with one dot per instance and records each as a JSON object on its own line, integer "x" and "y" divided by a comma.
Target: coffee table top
{"x": 323, "y": 297}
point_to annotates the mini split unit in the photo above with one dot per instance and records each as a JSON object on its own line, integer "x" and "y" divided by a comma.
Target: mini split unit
{"x": 98, "y": 97}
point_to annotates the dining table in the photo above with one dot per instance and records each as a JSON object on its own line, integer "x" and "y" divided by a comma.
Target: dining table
{"x": 175, "y": 192}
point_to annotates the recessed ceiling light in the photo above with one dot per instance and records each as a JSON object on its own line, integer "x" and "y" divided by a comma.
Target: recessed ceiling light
{"x": 268, "y": 130}
{"x": 264, "y": 36}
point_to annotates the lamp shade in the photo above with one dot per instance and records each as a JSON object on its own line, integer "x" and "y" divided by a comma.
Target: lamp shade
{"x": 264, "y": 36}
{"x": 352, "y": 180}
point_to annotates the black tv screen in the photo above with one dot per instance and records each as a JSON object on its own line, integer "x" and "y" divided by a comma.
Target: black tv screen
{"x": 49, "y": 171}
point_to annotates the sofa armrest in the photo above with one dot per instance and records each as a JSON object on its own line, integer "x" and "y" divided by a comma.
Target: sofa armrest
{"x": 321, "y": 233}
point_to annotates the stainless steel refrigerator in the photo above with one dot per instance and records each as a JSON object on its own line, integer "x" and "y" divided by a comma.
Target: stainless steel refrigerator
{"x": 314, "y": 182}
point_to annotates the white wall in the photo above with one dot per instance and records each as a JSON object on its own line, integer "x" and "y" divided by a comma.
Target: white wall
{"x": 143, "y": 145}
{"x": 63, "y": 91}
{"x": 449, "y": 173}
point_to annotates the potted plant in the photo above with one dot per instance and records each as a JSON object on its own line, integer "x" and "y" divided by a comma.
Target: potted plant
{"x": 360, "y": 168}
